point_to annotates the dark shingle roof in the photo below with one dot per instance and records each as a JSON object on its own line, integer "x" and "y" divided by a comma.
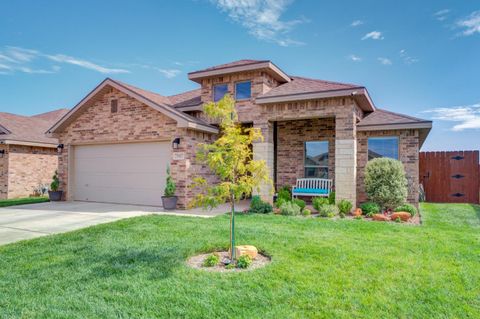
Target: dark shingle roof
{"x": 189, "y": 98}
{"x": 301, "y": 85}
{"x": 383, "y": 117}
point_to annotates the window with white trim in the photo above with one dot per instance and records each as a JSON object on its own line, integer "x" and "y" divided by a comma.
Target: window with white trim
{"x": 316, "y": 159}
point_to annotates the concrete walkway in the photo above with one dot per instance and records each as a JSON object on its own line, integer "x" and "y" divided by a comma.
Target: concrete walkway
{"x": 30, "y": 221}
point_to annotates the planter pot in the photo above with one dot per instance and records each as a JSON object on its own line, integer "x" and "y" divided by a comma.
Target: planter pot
{"x": 55, "y": 196}
{"x": 169, "y": 202}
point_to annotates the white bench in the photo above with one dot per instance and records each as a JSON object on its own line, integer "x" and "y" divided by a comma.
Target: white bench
{"x": 312, "y": 187}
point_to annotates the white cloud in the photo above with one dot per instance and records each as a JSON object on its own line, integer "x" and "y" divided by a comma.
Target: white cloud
{"x": 262, "y": 18}
{"x": 470, "y": 24}
{"x": 374, "y": 35}
{"x": 468, "y": 116}
{"x": 169, "y": 73}
{"x": 356, "y": 23}
{"x": 20, "y": 55}
{"x": 354, "y": 58}
{"x": 61, "y": 58}
{"x": 385, "y": 61}
{"x": 441, "y": 15}
{"x": 407, "y": 59}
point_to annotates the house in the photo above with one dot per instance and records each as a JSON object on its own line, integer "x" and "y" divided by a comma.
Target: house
{"x": 120, "y": 139}
{"x": 28, "y": 159}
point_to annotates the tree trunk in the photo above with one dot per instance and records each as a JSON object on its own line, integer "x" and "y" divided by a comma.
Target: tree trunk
{"x": 232, "y": 228}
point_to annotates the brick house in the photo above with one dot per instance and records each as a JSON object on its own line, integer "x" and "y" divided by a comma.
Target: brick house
{"x": 28, "y": 159}
{"x": 119, "y": 139}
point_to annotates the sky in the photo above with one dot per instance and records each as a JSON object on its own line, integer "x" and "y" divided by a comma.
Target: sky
{"x": 421, "y": 58}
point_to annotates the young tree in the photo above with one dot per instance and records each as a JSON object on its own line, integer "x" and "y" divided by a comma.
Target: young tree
{"x": 230, "y": 158}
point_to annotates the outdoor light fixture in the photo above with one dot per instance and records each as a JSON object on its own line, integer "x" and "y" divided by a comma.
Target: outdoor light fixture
{"x": 176, "y": 143}
{"x": 60, "y": 148}
{"x": 2, "y": 153}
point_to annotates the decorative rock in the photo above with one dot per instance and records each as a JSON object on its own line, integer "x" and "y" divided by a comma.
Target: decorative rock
{"x": 380, "y": 217}
{"x": 357, "y": 212}
{"x": 246, "y": 250}
{"x": 404, "y": 216}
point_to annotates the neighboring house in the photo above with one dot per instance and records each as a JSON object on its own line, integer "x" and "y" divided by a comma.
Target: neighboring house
{"x": 120, "y": 139}
{"x": 28, "y": 158}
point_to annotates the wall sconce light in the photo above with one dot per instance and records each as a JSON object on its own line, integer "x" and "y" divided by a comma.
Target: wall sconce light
{"x": 2, "y": 153}
{"x": 60, "y": 148}
{"x": 176, "y": 143}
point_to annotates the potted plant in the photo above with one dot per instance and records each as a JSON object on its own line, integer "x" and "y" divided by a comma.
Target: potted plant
{"x": 169, "y": 199}
{"x": 54, "y": 194}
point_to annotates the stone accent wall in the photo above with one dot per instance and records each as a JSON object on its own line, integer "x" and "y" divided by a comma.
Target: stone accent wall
{"x": 4, "y": 173}
{"x": 408, "y": 155}
{"x": 134, "y": 122}
{"x": 291, "y": 138}
{"x": 28, "y": 168}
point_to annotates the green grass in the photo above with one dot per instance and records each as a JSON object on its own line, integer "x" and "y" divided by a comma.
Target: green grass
{"x": 320, "y": 269}
{"x": 22, "y": 201}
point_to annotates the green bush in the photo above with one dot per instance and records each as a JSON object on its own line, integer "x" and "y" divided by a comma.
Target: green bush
{"x": 284, "y": 193}
{"x": 300, "y": 203}
{"x": 290, "y": 209}
{"x": 344, "y": 207}
{"x": 407, "y": 208}
{"x": 244, "y": 261}
{"x": 258, "y": 206}
{"x": 306, "y": 212}
{"x": 385, "y": 182}
{"x": 370, "y": 209}
{"x": 331, "y": 198}
{"x": 55, "y": 182}
{"x": 280, "y": 202}
{"x": 327, "y": 210}
{"x": 319, "y": 201}
{"x": 211, "y": 260}
{"x": 170, "y": 187}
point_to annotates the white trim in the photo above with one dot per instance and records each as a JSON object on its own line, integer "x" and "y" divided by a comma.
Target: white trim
{"x": 398, "y": 126}
{"x": 26, "y": 143}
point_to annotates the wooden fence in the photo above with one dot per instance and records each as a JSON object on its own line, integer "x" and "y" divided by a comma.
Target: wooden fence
{"x": 450, "y": 177}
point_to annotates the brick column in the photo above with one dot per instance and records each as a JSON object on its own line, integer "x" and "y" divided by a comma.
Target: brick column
{"x": 263, "y": 150}
{"x": 345, "y": 156}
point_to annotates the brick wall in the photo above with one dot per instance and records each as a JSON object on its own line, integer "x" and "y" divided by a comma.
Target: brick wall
{"x": 291, "y": 138}
{"x": 133, "y": 122}
{"x": 4, "y": 173}
{"x": 28, "y": 168}
{"x": 408, "y": 155}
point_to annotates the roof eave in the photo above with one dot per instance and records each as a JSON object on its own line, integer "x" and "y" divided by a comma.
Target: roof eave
{"x": 395, "y": 126}
{"x": 28, "y": 143}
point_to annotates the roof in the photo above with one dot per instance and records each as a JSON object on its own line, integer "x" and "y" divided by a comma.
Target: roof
{"x": 29, "y": 130}
{"x": 240, "y": 66}
{"x": 186, "y": 99}
{"x": 156, "y": 101}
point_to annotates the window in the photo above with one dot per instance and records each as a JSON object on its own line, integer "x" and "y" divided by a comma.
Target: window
{"x": 316, "y": 159}
{"x": 383, "y": 147}
{"x": 114, "y": 106}
{"x": 219, "y": 91}
{"x": 243, "y": 90}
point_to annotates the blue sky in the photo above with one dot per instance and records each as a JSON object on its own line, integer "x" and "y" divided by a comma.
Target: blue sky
{"x": 415, "y": 57}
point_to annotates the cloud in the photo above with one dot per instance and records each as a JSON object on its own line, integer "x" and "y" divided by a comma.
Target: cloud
{"x": 385, "y": 61}
{"x": 356, "y": 23}
{"x": 406, "y": 58}
{"x": 170, "y": 73}
{"x": 16, "y": 59}
{"x": 441, "y": 15}
{"x": 468, "y": 116}
{"x": 262, "y": 19}
{"x": 470, "y": 24}
{"x": 374, "y": 35}
{"x": 354, "y": 58}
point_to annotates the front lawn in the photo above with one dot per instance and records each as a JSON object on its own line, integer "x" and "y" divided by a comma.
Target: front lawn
{"x": 320, "y": 269}
{"x": 22, "y": 201}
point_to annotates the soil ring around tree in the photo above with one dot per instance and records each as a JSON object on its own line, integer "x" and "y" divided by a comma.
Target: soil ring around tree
{"x": 196, "y": 262}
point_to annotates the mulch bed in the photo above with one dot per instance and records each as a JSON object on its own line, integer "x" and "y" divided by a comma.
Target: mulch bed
{"x": 197, "y": 261}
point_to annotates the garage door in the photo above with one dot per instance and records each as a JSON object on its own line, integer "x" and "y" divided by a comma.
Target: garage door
{"x": 131, "y": 173}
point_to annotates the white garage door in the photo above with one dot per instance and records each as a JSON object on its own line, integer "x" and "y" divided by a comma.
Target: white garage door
{"x": 132, "y": 173}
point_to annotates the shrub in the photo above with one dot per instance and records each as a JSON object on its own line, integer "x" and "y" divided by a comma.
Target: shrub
{"x": 280, "y": 202}
{"x": 306, "y": 212}
{"x": 319, "y": 201}
{"x": 370, "y": 209}
{"x": 284, "y": 193}
{"x": 385, "y": 182}
{"x": 170, "y": 187}
{"x": 258, "y": 206}
{"x": 328, "y": 210}
{"x": 211, "y": 260}
{"x": 407, "y": 208}
{"x": 244, "y": 261}
{"x": 290, "y": 209}
{"x": 55, "y": 182}
{"x": 331, "y": 198}
{"x": 344, "y": 207}
{"x": 300, "y": 203}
